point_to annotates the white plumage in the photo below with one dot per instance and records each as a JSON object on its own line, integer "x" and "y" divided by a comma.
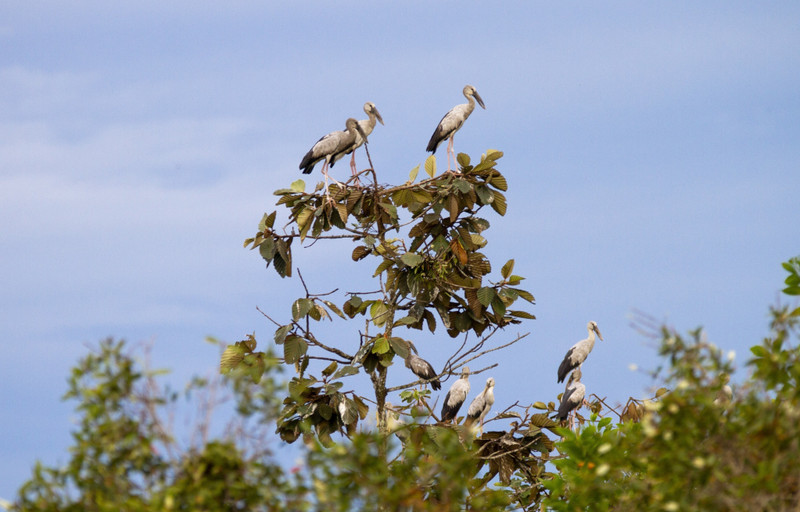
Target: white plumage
{"x": 579, "y": 352}
{"x": 480, "y": 406}
{"x": 452, "y": 121}
{"x": 366, "y": 126}
{"x": 331, "y": 147}
{"x": 456, "y": 397}
{"x": 573, "y": 396}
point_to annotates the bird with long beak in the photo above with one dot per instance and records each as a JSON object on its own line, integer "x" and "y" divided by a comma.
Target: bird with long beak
{"x": 481, "y": 404}
{"x": 456, "y": 396}
{"x": 422, "y": 368}
{"x": 332, "y": 147}
{"x": 579, "y": 352}
{"x": 452, "y": 122}
{"x": 366, "y": 125}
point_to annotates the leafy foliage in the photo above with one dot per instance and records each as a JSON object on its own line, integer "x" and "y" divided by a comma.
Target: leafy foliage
{"x": 693, "y": 445}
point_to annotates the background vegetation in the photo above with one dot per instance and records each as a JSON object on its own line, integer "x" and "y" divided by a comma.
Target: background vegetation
{"x": 690, "y": 446}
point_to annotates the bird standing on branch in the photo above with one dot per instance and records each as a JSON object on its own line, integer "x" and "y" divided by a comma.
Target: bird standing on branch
{"x": 366, "y": 125}
{"x": 579, "y": 352}
{"x": 332, "y": 147}
{"x": 480, "y": 406}
{"x": 422, "y": 368}
{"x": 456, "y": 396}
{"x": 452, "y": 121}
{"x": 573, "y": 396}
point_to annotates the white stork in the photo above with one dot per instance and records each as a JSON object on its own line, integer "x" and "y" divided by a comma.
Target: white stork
{"x": 331, "y": 147}
{"x": 579, "y": 352}
{"x": 452, "y": 121}
{"x": 573, "y": 395}
{"x": 456, "y": 396}
{"x": 480, "y": 406}
{"x": 422, "y": 368}
{"x": 366, "y": 125}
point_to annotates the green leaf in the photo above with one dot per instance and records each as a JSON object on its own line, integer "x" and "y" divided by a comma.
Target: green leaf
{"x": 298, "y": 186}
{"x": 281, "y": 332}
{"x": 231, "y": 357}
{"x": 540, "y": 405}
{"x": 294, "y": 348}
{"x": 661, "y": 391}
{"x": 507, "y": 269}
{"x": 413, "y": 174}
{"x": 486, "y": 295}
{"x": 412, "y": 259}
{"x": 330, "y": 369}
{"x": 333, "y": 307}
{"x": 521, "y": 314}
{"x": 758, "y": 351}
{"x": 498, "y": 306}
{"x": 463, "y": 159}
{"x": 399, "y": 346}
{"x": 499, "y": 203}
{"x": 381, "y": 345}
{"x": 430, "y": 165}
{"x": 301, "y": 307}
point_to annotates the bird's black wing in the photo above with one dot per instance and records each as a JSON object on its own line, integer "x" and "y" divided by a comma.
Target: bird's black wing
{"x": 448, "y": 412}
{"x": 566, "y": 365}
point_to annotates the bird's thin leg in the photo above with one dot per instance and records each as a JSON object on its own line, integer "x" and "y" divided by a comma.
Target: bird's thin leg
{"x": 353, "y": 169}
{"x": 450, "y": 152}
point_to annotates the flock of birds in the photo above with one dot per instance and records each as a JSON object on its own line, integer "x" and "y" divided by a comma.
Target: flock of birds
{"x": 332, "y": 148}
{"x": 335, "y": 145}
{"x": 571, "y": 399}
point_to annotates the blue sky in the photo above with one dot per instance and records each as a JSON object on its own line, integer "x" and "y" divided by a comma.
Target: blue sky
{"x": 652, "y": 152}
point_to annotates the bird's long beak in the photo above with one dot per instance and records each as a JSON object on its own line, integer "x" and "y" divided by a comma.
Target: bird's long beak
{"x": 479, "y": 100}
{"x": 378, "y": 115}
{"x": 595, "y": 329}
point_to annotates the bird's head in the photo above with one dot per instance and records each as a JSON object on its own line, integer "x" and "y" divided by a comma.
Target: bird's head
{"x": 576, "y": 375}
{"x": 412, "y": 347}
{"x": 370, "y": 108}
{"x": 465, "y": 372}
{"x": 592, "y": 326}
{"x": 470, "y": 91}
{"x": 490, "y": 382}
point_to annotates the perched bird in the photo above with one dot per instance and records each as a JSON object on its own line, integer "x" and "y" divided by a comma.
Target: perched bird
{"x": 366, "y": 125}
{"x": 422, "y": 368}
{"x": 452, "y": 121}
{"x": 456, "y": 396}
{"x": 579, "y": 352}
{"x": 480, "y": 406}
{"x": 332, "y": 147}
{"x": 573, "y": 395}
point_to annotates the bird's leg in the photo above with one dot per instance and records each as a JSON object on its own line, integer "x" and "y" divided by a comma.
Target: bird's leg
{"x": 353, "y": 169}
{"x": 450, "y": 152}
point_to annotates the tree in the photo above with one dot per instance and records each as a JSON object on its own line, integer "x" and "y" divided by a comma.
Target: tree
{"x": 688, "y": 447}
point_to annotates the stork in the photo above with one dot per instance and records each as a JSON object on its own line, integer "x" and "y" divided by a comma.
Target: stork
{"x": 452, "y": 121}
{"x": 573, "y": 395}
{"x": 481, "y": 404}
{"x": 579, "y": 352}
{"x": 455, "y": 398}
{"x": 422, "y": 368}
{"x": 331, "y": 147}
{"x": 366, "y": 125}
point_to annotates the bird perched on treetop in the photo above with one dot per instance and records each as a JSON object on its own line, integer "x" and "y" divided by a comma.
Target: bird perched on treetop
{"x": 456, "y": 396}
{"x": 452, "y": 121}
{"x": 422, "y": 368}
{"x": 579, "y": 352}
{"x": 332, "y": 147}
{"x": 573, "y": 395}
{"x": 480, "y": 406}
